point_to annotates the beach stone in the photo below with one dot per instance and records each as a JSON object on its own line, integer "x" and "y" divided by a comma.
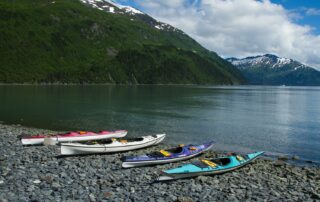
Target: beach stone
{"x": 216, "y": 181}
{"x": 30, "y": 188}
{"x": 184, "y": 199}
{"x": 202, "y": 179}
{"x": 108, "y": 194}
{"x": 47, "y": 192}
{"x": 279, "y": 163}
{"x": 56, "y": 186}
{"x": 315, "y": 196}
{"x": 275, "y": 193}
{"x": 283, "y": 158}
{"x": 161, "y": 200}
{"x": 295, "y": 157}
{"x": 3, "y": 158}
{"x": 37, "y": 181}
{"x": 92, "y": 197}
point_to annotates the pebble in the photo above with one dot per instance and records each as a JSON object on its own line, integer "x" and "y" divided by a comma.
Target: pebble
{"x": 92, "y": 197}
{"x": 295, "y": 158}
{"x": 37, "y": 181}
{"x": 33, "y": 173}
{"x": 3, "y": 158}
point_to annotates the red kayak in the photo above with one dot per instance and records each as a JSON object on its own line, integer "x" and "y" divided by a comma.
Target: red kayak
{"x": 72, "y": 137}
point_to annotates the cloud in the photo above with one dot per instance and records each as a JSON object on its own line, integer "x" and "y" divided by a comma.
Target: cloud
{"x": 240, "y": 28}
{"x": 313, "y": 12}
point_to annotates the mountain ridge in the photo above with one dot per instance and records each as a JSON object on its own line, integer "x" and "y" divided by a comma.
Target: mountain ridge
{"x": 269, "y": 69}
{"x": 73, "y": 42}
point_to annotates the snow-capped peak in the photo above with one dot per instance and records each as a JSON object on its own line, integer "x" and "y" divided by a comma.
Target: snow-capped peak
{"x": 112, "y": 7}
{"x": 250, "y": 60}
{"x": 268, "y": 60}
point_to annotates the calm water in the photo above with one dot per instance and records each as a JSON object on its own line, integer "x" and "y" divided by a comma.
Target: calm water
{"x": 282, "y": 120}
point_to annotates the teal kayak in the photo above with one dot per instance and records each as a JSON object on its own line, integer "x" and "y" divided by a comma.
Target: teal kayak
{"x": 208, "y": 166}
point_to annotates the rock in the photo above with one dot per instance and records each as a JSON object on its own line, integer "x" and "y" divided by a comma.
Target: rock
{"x": 279, "y": 163}
{"x": 56, "y": 186}
{"x": 92, "y": 197}
{"x": 275, "y": 193}
{"x": 37, "y": 181}
{"x": 295, "y": 157}
{"x": 47, "y": 192}
{"x": 108, "y": 194}
{"x": 184, "y": 199}
{"x": 161, "y": 200}
{"x": 233, "y": 186}
{"x": 202, "y": 179}
{"x": 3, "y": 158}
{"x": 173, "y": 198}
{"x": 315, "y": 196}
{"x": 283, "y": 158}
{"x": 216, "y": 181}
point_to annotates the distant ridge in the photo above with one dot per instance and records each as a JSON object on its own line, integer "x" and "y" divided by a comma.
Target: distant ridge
{"x": 270, "y": 69}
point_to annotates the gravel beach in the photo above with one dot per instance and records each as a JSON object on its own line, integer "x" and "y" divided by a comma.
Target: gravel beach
{"x": 36, "y": 173}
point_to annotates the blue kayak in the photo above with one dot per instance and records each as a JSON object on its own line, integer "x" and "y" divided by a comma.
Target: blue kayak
{"x": 209, "y": 166}
{"x": 180, "y": 153}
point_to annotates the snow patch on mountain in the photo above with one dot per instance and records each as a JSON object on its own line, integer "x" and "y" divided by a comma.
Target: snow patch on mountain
{"x": 281, "y": 62}
{"x": 268, "y": 60}
{"x": 251, "y": 61}
{"x": 110, "y": 6}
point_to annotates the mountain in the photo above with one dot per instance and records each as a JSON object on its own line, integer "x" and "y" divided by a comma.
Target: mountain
{"x": 273, "y": 70}
{"x": 100, "y": 41}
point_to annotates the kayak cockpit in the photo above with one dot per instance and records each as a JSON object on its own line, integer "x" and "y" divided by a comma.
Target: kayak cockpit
{"x": 213, "y": 162}
{"x": 222, "y": 161}
{"x": 175, "y": 150}
{"x": 167, "y": 152}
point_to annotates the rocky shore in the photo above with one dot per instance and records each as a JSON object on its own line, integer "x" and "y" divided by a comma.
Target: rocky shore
{"x": 36, "y": 173}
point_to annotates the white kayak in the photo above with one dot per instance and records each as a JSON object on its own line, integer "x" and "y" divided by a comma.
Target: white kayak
{"x": 110, "y": 146}
{"x": 71, "y": 137}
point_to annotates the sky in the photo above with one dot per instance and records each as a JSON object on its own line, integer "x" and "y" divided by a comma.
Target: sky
{"x": 241, "y": 28}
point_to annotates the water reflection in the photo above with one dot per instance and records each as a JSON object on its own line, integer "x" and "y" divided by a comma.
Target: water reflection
{"x": 239, "y": 118}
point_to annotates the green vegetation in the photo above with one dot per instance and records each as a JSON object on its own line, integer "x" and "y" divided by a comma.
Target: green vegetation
{"x": 70, "y": 42}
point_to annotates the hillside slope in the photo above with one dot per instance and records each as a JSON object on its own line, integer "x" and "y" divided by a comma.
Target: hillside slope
{"x": 76, "y": 42}
{"x": 272, "y": 70}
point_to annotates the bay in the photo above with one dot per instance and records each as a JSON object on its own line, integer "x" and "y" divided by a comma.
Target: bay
{"x": 279, "y": 120}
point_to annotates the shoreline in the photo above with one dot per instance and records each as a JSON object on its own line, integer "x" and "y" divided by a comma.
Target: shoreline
{"x": 286, "y": 158}
{"x": 148, "y": 84}
{"x": 35, "y": 173}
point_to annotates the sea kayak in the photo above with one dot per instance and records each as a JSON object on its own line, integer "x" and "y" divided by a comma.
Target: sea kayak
{"x": 208, "y": 166}
{"x": 110, "y": 146}
{"x": 72, "y": 137}
{"x": 182, "y": 152}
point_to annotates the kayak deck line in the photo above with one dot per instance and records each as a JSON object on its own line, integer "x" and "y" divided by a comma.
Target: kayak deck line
{"x": 169, "y": 156}
{"x": 112, "y": 146}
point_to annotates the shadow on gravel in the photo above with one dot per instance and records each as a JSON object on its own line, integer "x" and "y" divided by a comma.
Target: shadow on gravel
{"x": 83, "y": 155}
{"x": 32, "y": 145}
